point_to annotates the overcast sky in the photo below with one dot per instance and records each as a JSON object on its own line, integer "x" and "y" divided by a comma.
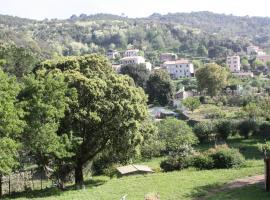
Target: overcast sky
{"x": 41, "y": 9}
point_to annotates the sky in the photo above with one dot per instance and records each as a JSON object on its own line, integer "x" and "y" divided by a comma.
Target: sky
{"x": 62, "y": 9}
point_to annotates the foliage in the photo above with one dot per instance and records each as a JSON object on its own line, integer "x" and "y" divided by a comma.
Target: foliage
{"x": 225, "y": 157}
{"x": 177, "y": 136}
{"x": 139, "y": 73}
{"x": 202, "y": 161}
{"x": 45, "y": 100}
{"x": 205, "y": 131}
{"x": 212, "y": 78}
{"x": 265, "y": 148}
{"x": 247, "y": 127}
{"x": 9, "y": 155}
{"x": 191, "y": 103}
{"x": 174, "y": 163}
{"x": 160, "y": 88}
{"x": 151, "y": 145}
{"x": 225, "y": 128}
{"x": 19, "y": 61}
{"x": 106, "y": 113}
{"x": 11, "y": 123}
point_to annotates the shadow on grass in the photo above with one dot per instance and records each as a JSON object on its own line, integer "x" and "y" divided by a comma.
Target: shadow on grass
{"x": 248, "y": 147}
{"x": 215, "y": 192}
{"x": 53, "y": 191}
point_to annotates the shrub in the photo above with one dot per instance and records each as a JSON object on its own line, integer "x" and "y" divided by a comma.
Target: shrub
{"x": 175, "y": 163}
{"x": 205, "y": 131}
{"x": 225, "y": 157}
{"x": 203, "y": 161}
{"x": 264, "y": 130}
{"x": 246, "y": 128}
{"x": 177, "y": 136}
{"x": 224, "y": 128}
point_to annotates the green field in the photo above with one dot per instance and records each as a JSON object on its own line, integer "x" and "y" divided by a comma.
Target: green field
{"x": 180, "y": 185}
{"x": 254, "y": 192}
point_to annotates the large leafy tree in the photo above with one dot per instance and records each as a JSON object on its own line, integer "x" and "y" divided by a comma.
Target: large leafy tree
{"x": 107, "y": 112}
{"x": 11, "y": 124}
{"x": 212, "y": 78}
{"x": 45, "y": 98}
{"x": 160, "y": 88}
{"x": 139, "y": 73}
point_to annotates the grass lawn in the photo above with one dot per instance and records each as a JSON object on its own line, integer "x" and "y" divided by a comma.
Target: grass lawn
{"x": 180, "y": 185}
{"x": 254, "y": 192}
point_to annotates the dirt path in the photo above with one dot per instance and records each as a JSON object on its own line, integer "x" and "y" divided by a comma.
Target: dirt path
{"x": 234, "y": 185}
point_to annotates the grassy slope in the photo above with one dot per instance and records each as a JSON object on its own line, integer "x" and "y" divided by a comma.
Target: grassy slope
{"x": 255, "y": 192}
{"x": 184, "y": 185}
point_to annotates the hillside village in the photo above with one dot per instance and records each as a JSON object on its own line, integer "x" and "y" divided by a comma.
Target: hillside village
{"x": 173, "y": 106}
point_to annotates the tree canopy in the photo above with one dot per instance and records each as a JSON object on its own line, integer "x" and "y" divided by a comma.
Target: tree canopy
{"x": 212, "y": 78}
{"x": 106, "y": 112}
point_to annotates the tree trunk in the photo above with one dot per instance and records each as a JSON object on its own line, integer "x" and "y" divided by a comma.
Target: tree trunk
{"x": 79, "y": 175}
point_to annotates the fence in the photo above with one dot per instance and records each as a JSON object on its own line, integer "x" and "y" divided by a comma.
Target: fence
{"x": 24, "y": 181}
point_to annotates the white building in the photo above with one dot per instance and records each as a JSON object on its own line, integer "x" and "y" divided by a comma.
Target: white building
{"x": 136, "y": 60}
{"x": 251, "y": 50}
{"x": 179, "y": 68}
{"x": 131, "y": 53}
{"x": 234, "y": 63}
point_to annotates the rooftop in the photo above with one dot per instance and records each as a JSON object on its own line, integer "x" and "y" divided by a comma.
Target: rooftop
{"x": 133, "y": 168}
{"x": 182, "y": 61}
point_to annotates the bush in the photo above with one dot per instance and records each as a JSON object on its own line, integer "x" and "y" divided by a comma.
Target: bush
{"x": 177, "y": 136}
{"x": 225, "y": 157}
{"x": 264, "y": 130}
{"x": 247, "y": 128}
{"x": 203, "y": 161}
{"x": 205, "y": 131}
{"x": 224, "y": 128}
{"x": 175, "y": 163}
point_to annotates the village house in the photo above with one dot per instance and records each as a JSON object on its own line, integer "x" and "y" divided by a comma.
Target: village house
{"x": 179, "y": 68}
{"x": 112, "y": 54}
{"x": 133, "y": 60}
{"x": 234, "y": 63}
{"x": 168, "y": 57}
{"x": 251, "y": 50}
{"x": 131, "y": 53}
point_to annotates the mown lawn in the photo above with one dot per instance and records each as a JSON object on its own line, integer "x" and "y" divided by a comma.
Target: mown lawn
{"x": 254, "y": 192}
{"x": 182, "y": 185}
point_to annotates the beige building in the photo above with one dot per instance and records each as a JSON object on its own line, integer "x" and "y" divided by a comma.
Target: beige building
{"x": 179, "y": 68}
{"x": 234, "y": 63}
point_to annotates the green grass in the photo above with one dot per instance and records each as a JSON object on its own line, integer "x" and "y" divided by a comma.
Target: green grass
{"x": 254, "y": 192}
{"x": 185, "y": 185}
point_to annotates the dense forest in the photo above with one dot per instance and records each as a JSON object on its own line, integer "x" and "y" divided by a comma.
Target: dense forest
{"x": 201, "y": 34}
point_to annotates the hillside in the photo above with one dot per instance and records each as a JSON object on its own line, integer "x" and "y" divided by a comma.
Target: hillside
{"x": 184, "y": 33}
